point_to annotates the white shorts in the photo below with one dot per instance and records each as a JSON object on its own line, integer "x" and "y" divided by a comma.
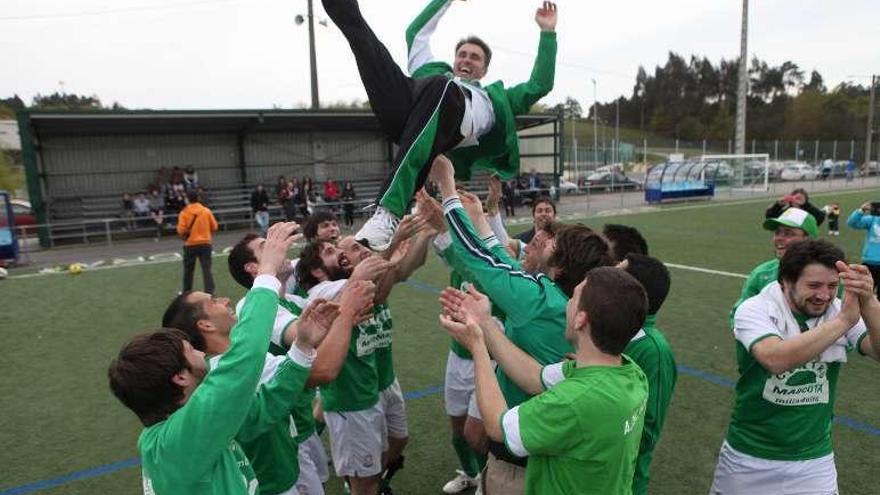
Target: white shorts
{"x": 742, "y": 474}
{"x": 395, "y": 410}
{"x": 312, "y": 464}
{"x": 473, "y": 409}
{"x": 458, "y": 387}
{"x": 357, "y": 440}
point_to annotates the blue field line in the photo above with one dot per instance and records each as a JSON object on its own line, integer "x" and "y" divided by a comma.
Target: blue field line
{"x": 74, "y": 476}
{"x": 135, "y": 461}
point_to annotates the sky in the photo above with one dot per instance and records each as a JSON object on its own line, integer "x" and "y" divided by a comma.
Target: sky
{"x": 248, "y": 54}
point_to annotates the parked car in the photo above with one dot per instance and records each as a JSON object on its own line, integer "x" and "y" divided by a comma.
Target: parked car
{"x": 607, "y": 181}
{"x": 567, "y": 187}
{"x": 799, "y": 171}
{"x": 22, "y": 213}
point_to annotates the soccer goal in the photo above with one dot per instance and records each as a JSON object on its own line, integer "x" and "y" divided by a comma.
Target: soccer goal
{"x": 749, "y": 172}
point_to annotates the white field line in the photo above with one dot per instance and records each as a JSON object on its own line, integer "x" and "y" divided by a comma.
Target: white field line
{"x": 706, "y": 270}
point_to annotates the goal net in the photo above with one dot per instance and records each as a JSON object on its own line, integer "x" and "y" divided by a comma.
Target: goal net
{"x": 749, "y": 172}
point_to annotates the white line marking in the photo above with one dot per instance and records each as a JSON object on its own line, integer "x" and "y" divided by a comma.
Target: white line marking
{"x": 706, "y": 270}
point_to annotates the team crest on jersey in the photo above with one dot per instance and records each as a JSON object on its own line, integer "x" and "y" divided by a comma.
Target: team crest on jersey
{"x": 804, "y": 386}
{"x": 374, "y": 333}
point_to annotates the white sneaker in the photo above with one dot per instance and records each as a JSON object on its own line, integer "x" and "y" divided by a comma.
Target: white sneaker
{"x": 379, "y": 229}
{"x": 460, "y": 483}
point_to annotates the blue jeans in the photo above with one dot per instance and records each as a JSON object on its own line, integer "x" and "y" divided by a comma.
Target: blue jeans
{"x": 262, "y": 219}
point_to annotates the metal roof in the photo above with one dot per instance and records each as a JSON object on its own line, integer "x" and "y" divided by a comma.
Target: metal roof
{"x": 54, "y": 123}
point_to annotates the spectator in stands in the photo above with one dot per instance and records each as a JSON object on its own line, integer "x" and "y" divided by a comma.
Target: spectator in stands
{"x": 127, "y": 211}
{"x": 176, "y": 174}
{"x": 160, "y": 181}
{"x": 174, "y": 201}
{"x": 348, "y": 197}
{"x": 798, "y": 199}
{"x": 287, "y": 198}
{"x": 191, "y": 179}
{"x": 280, "y": 186}
{"x": 331, "y": 191}
{"x": 196, "y": 226}
{"x": 141, "y": 205}
{"x": 534, "y": 180}
{"x": 543, "y": 212}
{"x": 157, "y": 211}
{"x": 260, "y": 207}
{"x": 306, "y": 197}
{"x": 508, "y": 197}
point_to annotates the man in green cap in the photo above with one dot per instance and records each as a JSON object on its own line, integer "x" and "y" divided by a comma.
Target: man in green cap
{"x": 793, "y": 225}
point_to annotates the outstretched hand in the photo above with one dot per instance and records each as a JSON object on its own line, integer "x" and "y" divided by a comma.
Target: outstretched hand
{"x": 278, "y": 240}
{"x": 545, "y": 16}
{"x": 315, "y": 322}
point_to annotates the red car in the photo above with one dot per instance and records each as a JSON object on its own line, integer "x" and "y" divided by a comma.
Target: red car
{"x": 22, "y": 213}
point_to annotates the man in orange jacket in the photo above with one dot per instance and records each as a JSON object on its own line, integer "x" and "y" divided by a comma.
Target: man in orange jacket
{"x": 196, "y": 226}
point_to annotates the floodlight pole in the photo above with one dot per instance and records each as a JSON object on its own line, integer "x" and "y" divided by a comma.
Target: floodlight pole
{"x": 313, "y": 59}
{"x": 595, "y": 127}
{"x": 870, "y": 130}
{"x": 743, "y": 84}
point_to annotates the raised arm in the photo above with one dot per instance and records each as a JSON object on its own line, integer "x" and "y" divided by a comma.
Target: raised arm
{"x": 197, "y": 434}
{"x": 515, "y": 292}
{"x": 516, "y": 363}
{"x": 418, "y": 34}
{"x": 523, "y": 96}
{"x": 860, "y": 219}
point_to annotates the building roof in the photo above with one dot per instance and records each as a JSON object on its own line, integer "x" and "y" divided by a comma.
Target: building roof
{"x": 55, "y": 124}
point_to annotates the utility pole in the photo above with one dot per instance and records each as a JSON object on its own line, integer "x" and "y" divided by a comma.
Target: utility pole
{"x": 595, "y": 127}
{"x": 617, "y": 134}
{"x": 313, "y": 58}
{"x": 743, "y": 86}
{"x": 870, "y": 130}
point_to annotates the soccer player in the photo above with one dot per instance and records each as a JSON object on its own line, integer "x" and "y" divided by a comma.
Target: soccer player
{"x": 191, "y": 417}
{"x": 793, "y": 225}
{"x": 243, "y": 262}
{"x": 364, "y": 401}
{"x": 534, "y": 305}
{"x": 791, "y": 341}
{"x": 543, "y": 212}
{"x": 651, "y": 351}
{"x": 441, "y": 107}
{"x": 582, "y": 433}
{"x": 270, "y": 435}
{"x": 624, "y": 240}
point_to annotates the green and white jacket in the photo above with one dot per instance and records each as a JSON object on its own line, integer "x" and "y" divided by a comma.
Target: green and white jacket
{"x": 498, "y": 150}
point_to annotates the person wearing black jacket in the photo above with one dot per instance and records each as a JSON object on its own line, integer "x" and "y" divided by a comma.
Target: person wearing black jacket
{"x": 260, "y": 206}
{"x": 798, "y": 199}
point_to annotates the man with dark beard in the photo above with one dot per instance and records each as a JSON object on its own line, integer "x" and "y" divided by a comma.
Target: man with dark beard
{"x": 791, "y": 341}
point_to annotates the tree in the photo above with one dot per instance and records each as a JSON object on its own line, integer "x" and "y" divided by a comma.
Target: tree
{"x": 816, "y": 83}
{"x": 11, "y": 178}
{"x": 570, "y": 108}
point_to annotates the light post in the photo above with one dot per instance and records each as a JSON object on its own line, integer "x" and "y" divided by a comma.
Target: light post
{"x": 313, "y": 61}
{"x": 595, "y": 126}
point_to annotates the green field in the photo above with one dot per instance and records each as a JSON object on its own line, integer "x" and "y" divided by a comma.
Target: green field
{"x": 60, "y": 333}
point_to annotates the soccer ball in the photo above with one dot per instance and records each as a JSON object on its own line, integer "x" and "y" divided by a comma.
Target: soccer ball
{"x": 76, "y": 268}
{"x": 3, "y": 273}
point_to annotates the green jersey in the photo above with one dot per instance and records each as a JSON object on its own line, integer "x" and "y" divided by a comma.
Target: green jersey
{"x": 193, "y": 451}
{"x": 583, "y": 433}
{"x": 268, "y": 434}
{"x": 357, "y": 386}
{"x": 384, "y": 357}
{"x": 785, "y": 416}
{"x": 533, "y": 305}
{"x": 650, "y": 350}
{"x": 289, "y": 309}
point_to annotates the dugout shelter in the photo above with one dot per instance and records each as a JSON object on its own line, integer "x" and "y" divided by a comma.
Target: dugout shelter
{"x": 78, "y": 164}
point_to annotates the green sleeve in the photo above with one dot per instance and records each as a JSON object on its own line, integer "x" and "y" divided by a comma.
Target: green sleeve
{"x": 198, "y": 433}
{"x": 418, "y": 36}
{"x": 517, "y": 293}
{"x": 523, "y": 96}
{"x": 274, "y": 399}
